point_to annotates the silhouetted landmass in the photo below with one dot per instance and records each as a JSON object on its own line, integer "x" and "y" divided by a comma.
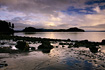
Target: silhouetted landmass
{"x": 75, "y": 29}
{"x": 32, "y": 29}
{"x": 6, "y": 27}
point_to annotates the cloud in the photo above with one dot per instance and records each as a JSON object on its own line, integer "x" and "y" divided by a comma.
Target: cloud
{"x": 91, "y": 2}
{"x": 97, "y": 27}
{"x": 53, "y": 14}
{"x": 36, "y": 6}
{"x": 97, "y": 9}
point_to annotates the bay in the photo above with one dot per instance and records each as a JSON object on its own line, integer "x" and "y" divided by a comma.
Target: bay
{"x": 91, "y": 36}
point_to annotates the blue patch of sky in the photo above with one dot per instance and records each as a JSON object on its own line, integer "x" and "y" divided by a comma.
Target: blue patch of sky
{"x": 4, "y": 16}
{"x": 87, "y": 10}
{"x": 102, "y": 7}
{"x": 94, "y": 2}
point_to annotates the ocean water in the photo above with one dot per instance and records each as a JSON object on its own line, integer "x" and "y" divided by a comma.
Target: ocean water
{"x": 91, "y": 36}
{"x": 60, "y": 57}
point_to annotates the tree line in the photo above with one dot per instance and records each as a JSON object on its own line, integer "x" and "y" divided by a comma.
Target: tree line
{"x": 6, "y": 26}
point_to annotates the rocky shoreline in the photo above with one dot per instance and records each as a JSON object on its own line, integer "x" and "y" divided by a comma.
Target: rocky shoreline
{"x": 11, "y": 45}
{"x": 6, "y": 40}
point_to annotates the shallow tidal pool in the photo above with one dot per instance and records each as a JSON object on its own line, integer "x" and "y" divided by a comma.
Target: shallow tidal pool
{"x": 61, "y": 58}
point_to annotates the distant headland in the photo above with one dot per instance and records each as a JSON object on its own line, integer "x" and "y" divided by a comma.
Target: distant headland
{"x": 8, "y": 27}
{"x": 32, "y": 29}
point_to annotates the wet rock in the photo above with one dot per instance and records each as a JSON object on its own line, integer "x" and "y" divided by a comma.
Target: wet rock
{"x": 56, "y": 46}
{"x": 46, "y": 50}
{"x": 63, "y": 46}
{"x": 23, "y": 46}
{"x": 63, "y": 43}
{"x": 76, "y": 45}
{"x": 45, "y": 45}
{"x": 3, "y": 65}
{"x": 103, "y": 42}
{"x": 2, "y": 43}
{"x": 5, "y": 49}
{"x": 32, "y": 48}
{"x": 70, "y": 46}
{"x": 68, "y": 40}
{"x": 93, "y": 49}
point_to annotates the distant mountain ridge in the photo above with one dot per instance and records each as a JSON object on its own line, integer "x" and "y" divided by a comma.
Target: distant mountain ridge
{"x": 32, "y": 29}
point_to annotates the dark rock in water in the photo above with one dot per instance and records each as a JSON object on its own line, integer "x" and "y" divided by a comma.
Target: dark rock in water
{"x": 46, "y": 50}
{"x": 45, "y": 45}
{"x": 93, "y": 49}
{"x": 2, "y": 43}
{"x": 76, "y": 45}
{"x": 3, "y": 65}
{"x": 103, "y": 42}
{"x": 68, "y": 40}
{"x": 23, "y": 46}
{"x": 5, "y": 50}
{"x": 70, "y": 46}
{"x": 56, "y": 46}
{"x": 63, "y": 46}
{"x": 32, "y": 48}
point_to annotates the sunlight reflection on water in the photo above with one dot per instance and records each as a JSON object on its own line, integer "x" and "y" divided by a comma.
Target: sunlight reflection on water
{"x": 91, "y": 36}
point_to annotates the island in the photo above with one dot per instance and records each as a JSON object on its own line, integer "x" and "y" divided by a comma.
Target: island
{"x": 32, "y": 29}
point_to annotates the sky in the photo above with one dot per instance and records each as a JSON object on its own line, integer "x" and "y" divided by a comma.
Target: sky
{"x": 54, "y": 14}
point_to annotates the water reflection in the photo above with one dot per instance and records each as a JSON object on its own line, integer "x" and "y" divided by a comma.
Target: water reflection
{"x": 60, "y": 57}
{"x": 102, "y": 49}
{"x": 29, "y": 33}
{"x": 91, "y": 36}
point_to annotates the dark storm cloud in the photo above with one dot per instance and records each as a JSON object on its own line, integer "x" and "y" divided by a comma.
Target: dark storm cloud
{"x": 102, "y": 7}
{"x": 44, "y": 6}
{"x": 35, "y": 6}
{"x": 86, "y": 10}
{"x": 95, "y": 2}
{"x": 52, "y": 13}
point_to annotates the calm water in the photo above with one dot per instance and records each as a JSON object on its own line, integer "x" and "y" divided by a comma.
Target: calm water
{"x": 59, "y": 58}
{"x": 91, "y": 36}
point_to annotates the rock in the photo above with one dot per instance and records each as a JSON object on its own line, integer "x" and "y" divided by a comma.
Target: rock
{"x": 3, "y": 65}
{"x": 103, "y": 42}
{"x": 45, "y": 45}
{"x": 63, "y": 46}
{"x": 93, "y": 49}
{"x": 23, "y": 46}
{"x": 56, "y": 46}
{"x": 46, "y": 50}
{"x": 32, "y": 48}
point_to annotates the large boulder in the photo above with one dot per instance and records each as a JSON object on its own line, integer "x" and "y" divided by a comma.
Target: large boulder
{"x": 103, "y": 42}
{"x": 93, "y": 49}
{"x": 45, "y": 45}
{"x": 23, "y": 46}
